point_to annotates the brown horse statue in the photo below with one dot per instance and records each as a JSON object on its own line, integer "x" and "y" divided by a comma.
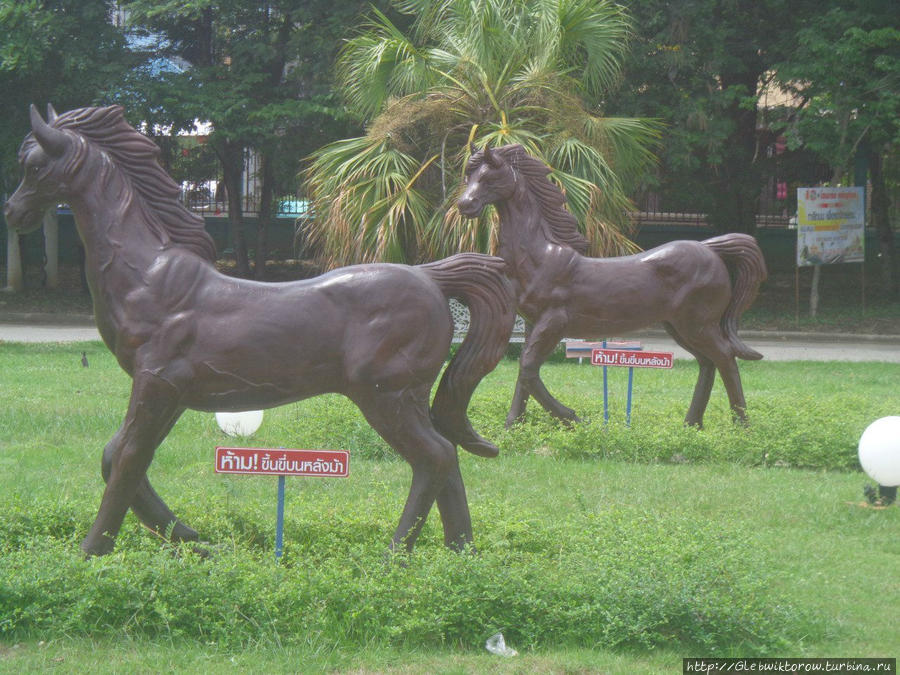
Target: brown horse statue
{"x": 190, "y": 337}
{"x": 685, "y": 285}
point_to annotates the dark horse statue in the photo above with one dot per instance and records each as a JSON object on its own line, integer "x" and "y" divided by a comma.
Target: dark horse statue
{"x": 686, "y": 285}
{"x": 190, "y": 337}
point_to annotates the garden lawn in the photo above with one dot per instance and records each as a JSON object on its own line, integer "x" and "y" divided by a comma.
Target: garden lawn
{"x": 600, "y": 547}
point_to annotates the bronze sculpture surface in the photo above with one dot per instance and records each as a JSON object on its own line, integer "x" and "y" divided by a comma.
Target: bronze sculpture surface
{"x": 685, "y": 285}
{"x": 191, "y": 337}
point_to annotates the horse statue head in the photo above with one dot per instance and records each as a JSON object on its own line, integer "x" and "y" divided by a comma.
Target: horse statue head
{"x": 82, "y": 157}
{"x": 489, "y": 179}
{"x": 42, "y": 174}
{"x": 509, "y": 175}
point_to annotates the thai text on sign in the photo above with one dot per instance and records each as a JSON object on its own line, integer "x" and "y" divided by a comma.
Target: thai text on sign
{"x": 281, "y": 462}
{"x": 628, "y": 358}
{"x": 831, "y": 225}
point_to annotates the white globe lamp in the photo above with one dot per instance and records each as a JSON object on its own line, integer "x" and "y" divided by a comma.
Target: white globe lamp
{"x": 879, "y": 455}
{"x": 239, "y": 423}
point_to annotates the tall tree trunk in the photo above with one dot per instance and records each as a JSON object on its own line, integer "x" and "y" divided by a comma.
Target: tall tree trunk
{"x": 15, "y": 280}
{"x": 51, "y": 248}
{"x": 882, "y": 223}
{"x": 814, "y": 291}
{"x": 232, "y": 156}
{"x": 266, "y": 211}
{"x": 736, "y": 192}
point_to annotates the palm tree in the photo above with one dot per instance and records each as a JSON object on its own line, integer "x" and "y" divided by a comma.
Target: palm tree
{"x": 489, "y": 71}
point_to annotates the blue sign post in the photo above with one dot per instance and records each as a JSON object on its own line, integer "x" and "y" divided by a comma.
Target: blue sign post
{"x": 633, "y": 347}
{"x": 622, "y": 354}
{"x": 279, "y": 522}
{"x": 281, "y": 462}
{"x": 630, "y": 355}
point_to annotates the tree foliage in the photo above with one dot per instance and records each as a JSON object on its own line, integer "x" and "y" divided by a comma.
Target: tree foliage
{"x": 259, "y": 72}
{"x": 700, "y": 66}
{"x": 490, "y": 71}
{"x": 845, "y": 71}
{"x": 63, "y": 52}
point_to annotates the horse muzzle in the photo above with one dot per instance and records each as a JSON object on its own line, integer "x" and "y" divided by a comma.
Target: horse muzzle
{"x": 469, "y": 207}
{"x": 19, "y": 217}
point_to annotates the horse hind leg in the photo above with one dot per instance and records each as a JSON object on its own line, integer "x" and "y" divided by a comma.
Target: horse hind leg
{"x": 731, "y": 376}
{"x": 520, "y": 395}
{"x": 714, "y": 346}
{"x": 705, "y": 380}
{"x": 454, "y": 509}
{"x": 519, "y": 402}
{"x": 402, "y": 419}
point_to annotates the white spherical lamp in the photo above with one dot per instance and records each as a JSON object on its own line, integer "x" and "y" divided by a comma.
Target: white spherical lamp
{"x": 879, "y": 451}
{"x": 239, "y": 423}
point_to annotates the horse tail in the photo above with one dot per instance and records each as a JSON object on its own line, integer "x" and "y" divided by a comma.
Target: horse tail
{"x": 743, "y": 256}
{"x": 480, "y": 282}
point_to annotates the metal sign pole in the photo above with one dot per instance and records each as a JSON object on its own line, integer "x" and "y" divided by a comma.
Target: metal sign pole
{"x": 279, "y": 522}
{"x": 631, "y": 356}
{"x": 628, "y": 402}
{"x": 282, "y": 462}
{"x": 605, "y": 394}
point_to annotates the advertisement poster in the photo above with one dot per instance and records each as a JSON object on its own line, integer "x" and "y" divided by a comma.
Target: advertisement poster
{"x": 830, "y": 225}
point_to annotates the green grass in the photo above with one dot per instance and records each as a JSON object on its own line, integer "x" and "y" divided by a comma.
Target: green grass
{"x": 600, "y": 548}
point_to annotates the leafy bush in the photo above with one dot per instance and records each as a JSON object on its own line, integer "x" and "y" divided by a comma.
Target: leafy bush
{"x": 607, "y": 578}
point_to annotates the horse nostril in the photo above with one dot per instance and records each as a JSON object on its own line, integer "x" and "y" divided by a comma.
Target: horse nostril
{"x": 465, "y": 205}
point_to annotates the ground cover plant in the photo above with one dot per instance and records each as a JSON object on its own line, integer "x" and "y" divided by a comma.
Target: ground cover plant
{"x": 610, "y": 548}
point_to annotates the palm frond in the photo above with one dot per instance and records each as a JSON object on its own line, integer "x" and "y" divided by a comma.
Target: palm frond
{"x": 593, "y": 38}
{"x": 381, "y": 63}
{"x": 492, "y": 71}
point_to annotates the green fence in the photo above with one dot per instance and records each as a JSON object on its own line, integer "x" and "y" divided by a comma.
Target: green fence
{"x": 778, "y": 244}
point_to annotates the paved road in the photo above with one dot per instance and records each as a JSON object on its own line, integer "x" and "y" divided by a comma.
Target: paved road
{"x": 775, "y": 347}
{"x": 794, "y": 347}
{"x": 16, "y": 332}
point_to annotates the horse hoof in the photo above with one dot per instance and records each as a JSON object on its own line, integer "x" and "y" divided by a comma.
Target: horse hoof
{"x": 481, "y": 447}
{"x": 202, "y": 552}
{"x": 181, "y": 532}
{"x": 513, "y": 420}
{"x": 97, "y": 548}
{"x": 568, "y": 418}
{"x": 465, "y": 547}
{"x": 398, "y": 557}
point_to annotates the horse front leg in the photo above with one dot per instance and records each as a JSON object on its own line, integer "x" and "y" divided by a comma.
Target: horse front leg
{"x": 520, "y": 395}
{"x": 152, "y": 410}
{"x": 150, "y": 509}
{"x": 519, "y": 401}
{"x": 544, "y": 338}
{"x": 454, "y": 510}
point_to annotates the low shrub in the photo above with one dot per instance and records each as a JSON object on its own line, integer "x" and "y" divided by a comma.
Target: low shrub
{"x": 605, "y": 578}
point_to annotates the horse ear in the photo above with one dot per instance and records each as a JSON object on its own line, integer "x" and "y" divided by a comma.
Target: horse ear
{"x": 53, "y": 141}
{"x": 472, "y": 148}
{"x": 51, "y": 114}
{"x": 490, "y": 157}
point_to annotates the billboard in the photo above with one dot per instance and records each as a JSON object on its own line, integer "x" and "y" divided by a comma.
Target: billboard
{"x": 831, "y": 225}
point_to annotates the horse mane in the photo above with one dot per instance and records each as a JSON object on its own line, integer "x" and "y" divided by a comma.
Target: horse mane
{"x": 137, "y": 157}
{"x": 562, "y": 227}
